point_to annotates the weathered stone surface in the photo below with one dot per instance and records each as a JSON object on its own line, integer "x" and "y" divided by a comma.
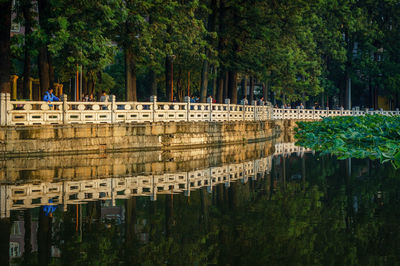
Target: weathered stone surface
{"x": 95, "y": 138}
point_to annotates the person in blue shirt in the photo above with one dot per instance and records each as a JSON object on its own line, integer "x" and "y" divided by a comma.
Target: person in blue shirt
{"x": 50, "y": 97}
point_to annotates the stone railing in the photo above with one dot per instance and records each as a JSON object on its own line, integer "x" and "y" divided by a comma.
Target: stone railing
{"x": 314, "y": 114}
{"x": 32, "y": 195}
{"x": 66, "y": 112}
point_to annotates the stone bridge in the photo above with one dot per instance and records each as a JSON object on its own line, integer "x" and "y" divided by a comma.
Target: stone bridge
{"x": 36, "y": 194}
{"x": 66, "y": 112}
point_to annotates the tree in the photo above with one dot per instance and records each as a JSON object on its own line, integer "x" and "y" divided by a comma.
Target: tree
{"x": 26, "y": 9}
{"x": 5, "y": 52}
{"x": 83, "y": 37}
{"x": 46, "y": 70}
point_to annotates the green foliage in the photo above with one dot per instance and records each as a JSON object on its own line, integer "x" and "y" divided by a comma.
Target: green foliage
{"x": 82, "y": 35}
{"x": 370, "y": 136}
{"x": 301, "y": 49}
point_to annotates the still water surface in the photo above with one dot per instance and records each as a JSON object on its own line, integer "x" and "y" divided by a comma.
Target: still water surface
{"x": 258, "y": 204}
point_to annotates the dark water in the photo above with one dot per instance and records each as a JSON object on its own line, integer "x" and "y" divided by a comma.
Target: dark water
{"x": 272, "y": 208}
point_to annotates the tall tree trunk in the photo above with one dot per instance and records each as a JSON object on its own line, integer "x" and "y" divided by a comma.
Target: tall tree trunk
{"x": 350, "y": 51}
{"x": 232, "y": 90}
{"x": 204, "y": 72}
{"x": 226, "y": 81}
{"x": 214, "y": 82}
{"x": 90, "y": 83}
{"x": 46, "y": 71}
{"x": 85, "y": 82}
{"x": 204, "y": 81}
{"x": 130, "y": 75}
{"x": 251, "y": 92}
{"x": 51, "y": 70}
{"x": 376, "y": 94}
{"x": 43, "y": 64}
{"x": 220, "y": 91}
{"x": 244, "y": 87}
{"x": 348, "y": 93}
{"x": 5, "y": 52}
{"x": 223, "y": 76}
{"x": 179, "y": 86}
{"x": 265, "y": 91}
{"x": 322, "y": 100}
{"x": 27, "y": 13}
{"x": 169, "y": 68}
{"x": 370, "y": 94}
{"x": 153, "y": 83}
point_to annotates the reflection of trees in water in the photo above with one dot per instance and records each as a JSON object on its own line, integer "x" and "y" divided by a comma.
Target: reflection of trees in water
{"x": 309, "y": 210}
{"x": 5, "y": 228}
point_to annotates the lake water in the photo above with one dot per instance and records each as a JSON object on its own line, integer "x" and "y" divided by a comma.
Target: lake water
{"x": 269, "y": 203}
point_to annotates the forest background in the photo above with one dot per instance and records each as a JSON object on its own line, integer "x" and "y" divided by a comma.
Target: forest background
{"x": 334, "y": 52}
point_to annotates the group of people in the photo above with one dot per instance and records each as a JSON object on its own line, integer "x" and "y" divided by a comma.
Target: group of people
{"x": 316, "y": 106}
{"x": 50, "y": 97}
{"x": 288, "y": 106}
{"x": 259, "y": 101}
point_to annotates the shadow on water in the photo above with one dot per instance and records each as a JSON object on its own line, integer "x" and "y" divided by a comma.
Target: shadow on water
{"x": 262, "y": 203}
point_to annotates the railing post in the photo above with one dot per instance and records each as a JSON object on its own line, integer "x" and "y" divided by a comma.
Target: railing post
{"x": 187, "y": 101}
{"x": 153, "y": 100}
{"x": 228, "y": 102}
{"x": 341, "y": 111}
{"x": 209, "y": 101}
{"x": 113, "y": 108}
{"x": 3, "y": 109}
{"x": 14, "y": 79}
{"x": 366, "y": 111}
{"x": 298, "y": 112}
{"x": 313, "y": 112}
{"x": 64, "y": 99}
{"x": 254, "y": 103}
{"x": 327, "y": 111}
{"x": 243, "y": 102}
{"x": 271, "y": 111}
{"x": 397, "y": 111}
{"x": 7, "y": 107}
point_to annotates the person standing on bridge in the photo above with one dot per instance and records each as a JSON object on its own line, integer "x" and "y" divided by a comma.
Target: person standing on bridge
{"x": 50, "y": 97}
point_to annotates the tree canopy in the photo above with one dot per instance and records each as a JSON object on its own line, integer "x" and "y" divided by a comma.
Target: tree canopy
{"x": 341, "y": 52}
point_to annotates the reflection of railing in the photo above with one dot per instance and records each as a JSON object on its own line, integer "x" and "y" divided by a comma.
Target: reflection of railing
{"x": 64, "y": 112}
{"x": 15, "y": 197}
{"x": 24, "y": 196}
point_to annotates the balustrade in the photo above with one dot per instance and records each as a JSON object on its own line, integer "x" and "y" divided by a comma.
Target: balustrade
{"x": 65, "y": 112}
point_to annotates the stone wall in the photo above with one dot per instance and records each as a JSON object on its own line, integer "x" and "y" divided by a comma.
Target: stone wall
{"x": 97, "y": 138}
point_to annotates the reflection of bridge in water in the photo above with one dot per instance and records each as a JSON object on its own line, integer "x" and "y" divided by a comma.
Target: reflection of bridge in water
{"x": 31, "y": 195}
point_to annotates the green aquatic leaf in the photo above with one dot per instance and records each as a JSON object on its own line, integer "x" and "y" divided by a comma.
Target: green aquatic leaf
{"x": 370, "y": 136}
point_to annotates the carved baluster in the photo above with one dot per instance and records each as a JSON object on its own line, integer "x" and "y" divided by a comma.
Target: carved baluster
{"x": 228, "y": 102}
